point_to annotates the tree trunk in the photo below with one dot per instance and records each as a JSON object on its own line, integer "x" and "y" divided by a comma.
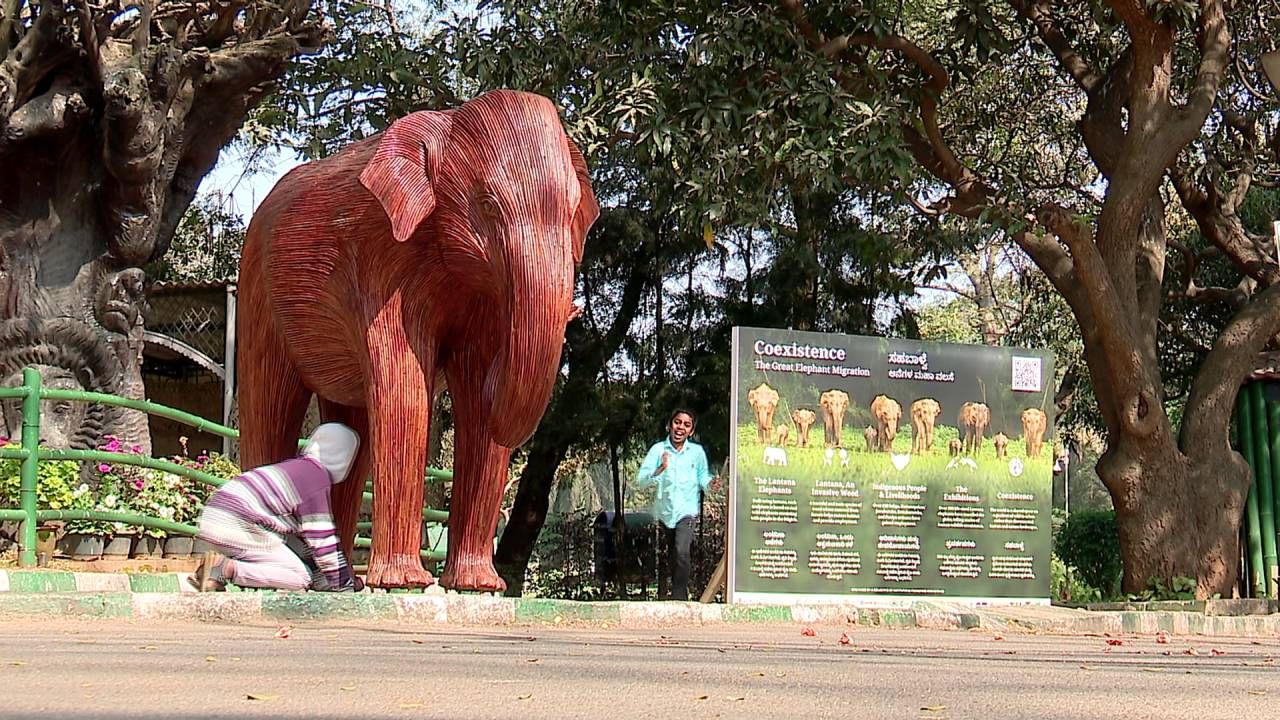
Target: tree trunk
{"x": 1178, "y": 516}
{"x": 108, "y": 122}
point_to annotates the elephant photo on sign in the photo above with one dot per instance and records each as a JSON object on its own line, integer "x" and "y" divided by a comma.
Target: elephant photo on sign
{"x": 764, "y": 402}
{"x": 834, "y": 403}
{"x": 888, "y": 414}
{"x": 441, "y": 250}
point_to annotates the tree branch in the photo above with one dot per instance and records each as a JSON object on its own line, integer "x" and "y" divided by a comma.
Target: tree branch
{"x": 1038, "y": 13}
{"x": 1213, "y": 392}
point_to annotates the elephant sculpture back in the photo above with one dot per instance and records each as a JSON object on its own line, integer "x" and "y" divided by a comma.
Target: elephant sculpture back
{"x": 445, "y": 247}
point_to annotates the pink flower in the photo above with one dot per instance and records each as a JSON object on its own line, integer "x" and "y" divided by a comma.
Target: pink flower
{"x": 202, "y": 458}
{"x": 104, "y": 468}
{"x": 138, "y": 484}
{"x": 135, "y": 448}
{"x": 113, "y": 445}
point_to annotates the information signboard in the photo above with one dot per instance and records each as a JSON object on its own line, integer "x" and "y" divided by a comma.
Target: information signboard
{"x": 882, "y": 469}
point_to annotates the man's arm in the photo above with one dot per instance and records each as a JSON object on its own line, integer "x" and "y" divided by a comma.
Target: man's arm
{"x": 321, "y": 536}
{"x": 704, "y": 472}
{"x": 645, "y": 476}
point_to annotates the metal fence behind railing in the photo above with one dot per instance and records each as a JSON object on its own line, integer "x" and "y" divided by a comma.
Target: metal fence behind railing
{"x": 29, "y": 515}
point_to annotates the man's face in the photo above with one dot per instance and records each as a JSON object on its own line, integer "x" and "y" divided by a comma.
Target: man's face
{"x": 681, "y": 427}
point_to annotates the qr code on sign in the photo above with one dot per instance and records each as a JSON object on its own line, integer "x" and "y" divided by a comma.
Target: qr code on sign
{"x": 1026, "y": 374}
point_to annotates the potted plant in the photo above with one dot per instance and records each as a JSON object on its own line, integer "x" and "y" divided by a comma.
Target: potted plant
{"x": 84, "y": 539}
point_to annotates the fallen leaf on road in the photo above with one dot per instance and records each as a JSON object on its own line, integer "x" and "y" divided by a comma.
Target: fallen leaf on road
{"x": 701, "y": 697}
{"x": 417, "y": 642}
{"x": 1151, "y": 669}
{"x": 86, "y": 685}
{"x": 258, "y": 696}
{"x": 1086, "y": 667}
{"x": 782, "y": 674}
{"x": 347, "y": 688}
{"x": 1114, "y": 641}
{"x": 1216, "y": 652}
{"x": 524, "y": 697}
{"x": 146, "y": 647}
{"x": 844, "y": 639}
{"x": 997, "y": 636}
{"x": 532, "y": 660}
{"x": 1257, "y": 692}
{"x": 235, "y": 659}
{"x": 808, "y": 632}
{"x": 1190, "y": 651}
{"x": 284, "y": 632}
{"x": 210, "y": 658}
{"x": 759, "y": 674}
{"x": 735, "y": 698}
{"x": 934, "y": 708}
{"x": 18, "y": 663}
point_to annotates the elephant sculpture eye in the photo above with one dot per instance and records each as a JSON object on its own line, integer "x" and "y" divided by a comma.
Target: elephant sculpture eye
{"x": 488, "y": 207}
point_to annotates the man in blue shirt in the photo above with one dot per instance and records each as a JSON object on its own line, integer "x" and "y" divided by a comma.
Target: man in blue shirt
{"x": 678, "y": 466}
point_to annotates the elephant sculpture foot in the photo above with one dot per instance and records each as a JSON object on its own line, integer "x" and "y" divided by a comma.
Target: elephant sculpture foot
{"x": 401, "y": 571}
{"x": 472, "y": 574}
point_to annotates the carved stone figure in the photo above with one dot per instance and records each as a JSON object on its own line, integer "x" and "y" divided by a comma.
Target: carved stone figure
{"x": 110, "y": 115}
{"x": 69, "y": 355}
{"x": 441, "y": 249}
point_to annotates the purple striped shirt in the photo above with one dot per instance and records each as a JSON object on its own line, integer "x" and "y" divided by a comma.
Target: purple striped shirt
{"x": 290, "y": 498}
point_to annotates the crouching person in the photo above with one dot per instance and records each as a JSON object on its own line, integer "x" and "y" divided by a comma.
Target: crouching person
{"x": 254, "y": 519}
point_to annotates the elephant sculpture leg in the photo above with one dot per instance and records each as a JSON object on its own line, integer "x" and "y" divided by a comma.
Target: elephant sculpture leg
{"x": 480, "y": 471}
{"x": 347, "y": 496}
{"x": 399, "y": 399}
{"x": 272, "y": 411}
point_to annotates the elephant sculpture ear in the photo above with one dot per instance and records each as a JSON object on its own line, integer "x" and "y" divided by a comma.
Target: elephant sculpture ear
{"x": 402, "y": 171}
{"x": 588, "y": 209}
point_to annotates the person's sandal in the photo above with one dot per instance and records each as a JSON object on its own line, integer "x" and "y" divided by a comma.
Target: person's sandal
{"x": 203, "y": 578}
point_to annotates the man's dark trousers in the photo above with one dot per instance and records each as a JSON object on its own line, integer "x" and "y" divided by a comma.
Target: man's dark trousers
{"x": 679, "y": 542}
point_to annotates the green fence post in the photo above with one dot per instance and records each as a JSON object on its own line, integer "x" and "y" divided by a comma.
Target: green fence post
{"x": 30, "y": 465}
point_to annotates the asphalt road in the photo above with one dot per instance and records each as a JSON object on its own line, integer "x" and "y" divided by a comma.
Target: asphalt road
{"x": 175, "y": 671}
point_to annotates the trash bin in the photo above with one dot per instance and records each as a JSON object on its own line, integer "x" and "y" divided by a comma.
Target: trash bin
{"x": 640, "y": 556}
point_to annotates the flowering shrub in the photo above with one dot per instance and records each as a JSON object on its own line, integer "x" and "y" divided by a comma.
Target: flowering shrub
{"x": 120, "y": 487}
{"x": 55, "y": 486}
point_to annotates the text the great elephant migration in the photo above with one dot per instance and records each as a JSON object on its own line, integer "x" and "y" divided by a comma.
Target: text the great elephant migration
{"x": 441, "y": 249}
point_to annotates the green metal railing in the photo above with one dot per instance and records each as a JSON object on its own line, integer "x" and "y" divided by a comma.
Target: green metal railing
{"x": 31, "y": 454}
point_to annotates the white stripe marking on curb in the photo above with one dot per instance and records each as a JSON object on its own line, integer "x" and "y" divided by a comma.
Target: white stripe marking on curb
{"x": 102, "y": 582}
{"x": 4, "y": 581}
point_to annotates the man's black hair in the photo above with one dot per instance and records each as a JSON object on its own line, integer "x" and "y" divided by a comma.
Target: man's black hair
{"x": 682, "y": 411}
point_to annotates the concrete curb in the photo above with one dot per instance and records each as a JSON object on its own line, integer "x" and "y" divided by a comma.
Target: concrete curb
{"x": 167, "y": 596}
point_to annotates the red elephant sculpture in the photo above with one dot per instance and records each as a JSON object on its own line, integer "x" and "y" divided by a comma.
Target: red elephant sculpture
{"x": 441, "y": 250}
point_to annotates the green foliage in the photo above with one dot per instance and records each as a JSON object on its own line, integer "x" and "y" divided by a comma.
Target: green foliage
{"x": 206, "y": 244}
{"x": 118, "y": 487}
{"x": 1090, "y": 542}
{"x": 1178, "y": 588}
{"x": 1066, "y": 585}
{"x": 55, "y": 487}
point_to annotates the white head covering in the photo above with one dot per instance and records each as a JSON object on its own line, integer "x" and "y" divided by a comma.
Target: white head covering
{"x": 334, "y": 446}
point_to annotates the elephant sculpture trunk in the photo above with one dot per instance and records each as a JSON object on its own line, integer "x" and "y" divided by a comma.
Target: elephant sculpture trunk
{"x": 539, "y": 297}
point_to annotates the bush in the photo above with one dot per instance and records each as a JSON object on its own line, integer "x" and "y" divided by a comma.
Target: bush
{"x": 1090, "y": 542}
{"x": 1067, "y": 586}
